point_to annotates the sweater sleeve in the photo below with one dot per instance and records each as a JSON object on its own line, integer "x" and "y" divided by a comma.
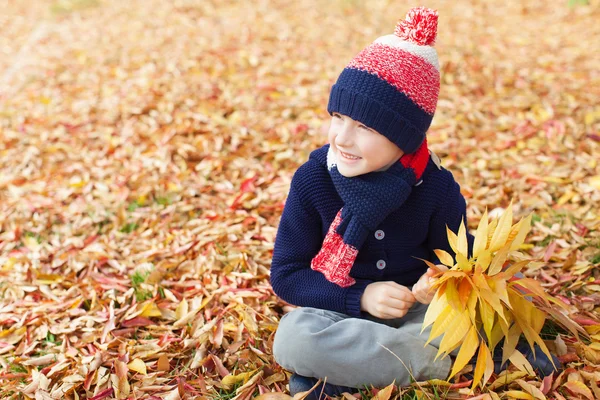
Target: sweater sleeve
{"x": 299, "y": 238}
{"x": 450, "y": 211}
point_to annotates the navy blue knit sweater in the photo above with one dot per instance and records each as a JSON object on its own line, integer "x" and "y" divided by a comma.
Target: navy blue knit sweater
{"x": 413, "y": 230}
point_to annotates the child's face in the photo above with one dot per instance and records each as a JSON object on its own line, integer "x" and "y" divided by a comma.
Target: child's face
{"x": 359, "y": 149}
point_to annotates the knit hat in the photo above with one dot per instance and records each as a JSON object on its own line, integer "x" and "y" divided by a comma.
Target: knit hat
{"x": 392, "y": 86}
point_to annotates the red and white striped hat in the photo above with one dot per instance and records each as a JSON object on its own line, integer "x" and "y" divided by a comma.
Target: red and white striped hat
{"x": 393, "y": 84}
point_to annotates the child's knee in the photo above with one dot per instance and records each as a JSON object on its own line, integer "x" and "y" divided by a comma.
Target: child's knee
{"x": 290, "y": 339}
{"x": 296, "y": 339}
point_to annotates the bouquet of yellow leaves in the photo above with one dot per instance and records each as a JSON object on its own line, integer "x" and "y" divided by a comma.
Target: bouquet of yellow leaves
{"x": 482, "y": 291}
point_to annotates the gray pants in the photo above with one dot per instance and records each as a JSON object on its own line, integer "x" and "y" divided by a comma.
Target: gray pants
{"x": 352, "y": 352}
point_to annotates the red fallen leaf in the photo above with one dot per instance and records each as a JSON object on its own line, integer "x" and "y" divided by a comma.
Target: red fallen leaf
{"x": 547, "y": 277}
{"x": 89, "y": 240}
{"x": 18, "y": 252}
{"x": 245, "y": 187}
{"x": 301, "y": 128}
{"x": 89, "y": 379}
{"x": 70, "y": 127}
{"x": 585, "y": 321}
{"x": 182, "y": 384}
{"x": 137, "y": 321}
{"x": 582, "y": 230}
{"x": 549, "y": 251}
{"x": 236, "y": 201}
{"x": 123, "y": 332}
{"x": 47, "y": 369}
{"x": 101, "y": 261}
{"x": 17, "y": 233}
{"x": 594, "y": 137}
{"x": 219, "y": 366}
{"x": 248, "y": 221}
{"x": 166, "y": 339}
{"x": 18, "y": 181}
{"x": 248, "y": 184}
{"x": 546, "y": 384}
{"x": 563, "y": 299}
{"x": 569, "y": 357}
{"x": 461, "y": 384}
{"x": 103, "y": 394}
{"x": 586, "y": 299}
{"x": 554, "y": 128}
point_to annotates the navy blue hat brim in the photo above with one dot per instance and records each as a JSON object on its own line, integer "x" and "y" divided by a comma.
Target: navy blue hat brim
{"x": 366, "y": 98}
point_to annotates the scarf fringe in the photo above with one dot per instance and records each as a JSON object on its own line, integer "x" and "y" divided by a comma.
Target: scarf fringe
{"x": 336, "y": 258}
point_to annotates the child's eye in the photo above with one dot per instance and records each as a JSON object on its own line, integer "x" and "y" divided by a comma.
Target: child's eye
{"x": 336, "y": 115}
{"x": 364, "y": 127}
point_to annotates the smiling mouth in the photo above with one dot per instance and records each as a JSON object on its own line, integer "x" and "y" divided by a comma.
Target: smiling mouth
{"x": 349, "y": 156}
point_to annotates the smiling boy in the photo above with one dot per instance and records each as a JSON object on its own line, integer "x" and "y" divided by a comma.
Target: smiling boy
{"x": 360, "y": 214}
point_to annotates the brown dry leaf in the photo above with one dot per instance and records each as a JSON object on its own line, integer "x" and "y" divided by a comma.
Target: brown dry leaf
{"x": 163, "y": 363}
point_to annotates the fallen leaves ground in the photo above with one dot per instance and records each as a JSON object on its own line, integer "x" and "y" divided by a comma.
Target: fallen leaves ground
{"x": 146, "y": 151}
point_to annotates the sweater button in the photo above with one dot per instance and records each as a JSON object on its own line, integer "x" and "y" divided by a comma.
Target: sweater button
{"x": 379, "y": 235}
{"x": 380, "y": 264}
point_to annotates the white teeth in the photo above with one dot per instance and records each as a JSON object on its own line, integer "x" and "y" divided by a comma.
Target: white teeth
{"x": 351, "y": 157}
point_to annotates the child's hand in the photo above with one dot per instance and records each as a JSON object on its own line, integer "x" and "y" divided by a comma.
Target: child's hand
{"x": 387, "y": 300}
{"x": 422, "y": 290}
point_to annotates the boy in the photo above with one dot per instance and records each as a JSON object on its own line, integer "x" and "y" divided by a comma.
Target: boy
{"x": 359, "y": 215}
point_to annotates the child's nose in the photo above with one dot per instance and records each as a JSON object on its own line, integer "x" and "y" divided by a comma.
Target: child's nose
{"x": 344, "y": 136}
